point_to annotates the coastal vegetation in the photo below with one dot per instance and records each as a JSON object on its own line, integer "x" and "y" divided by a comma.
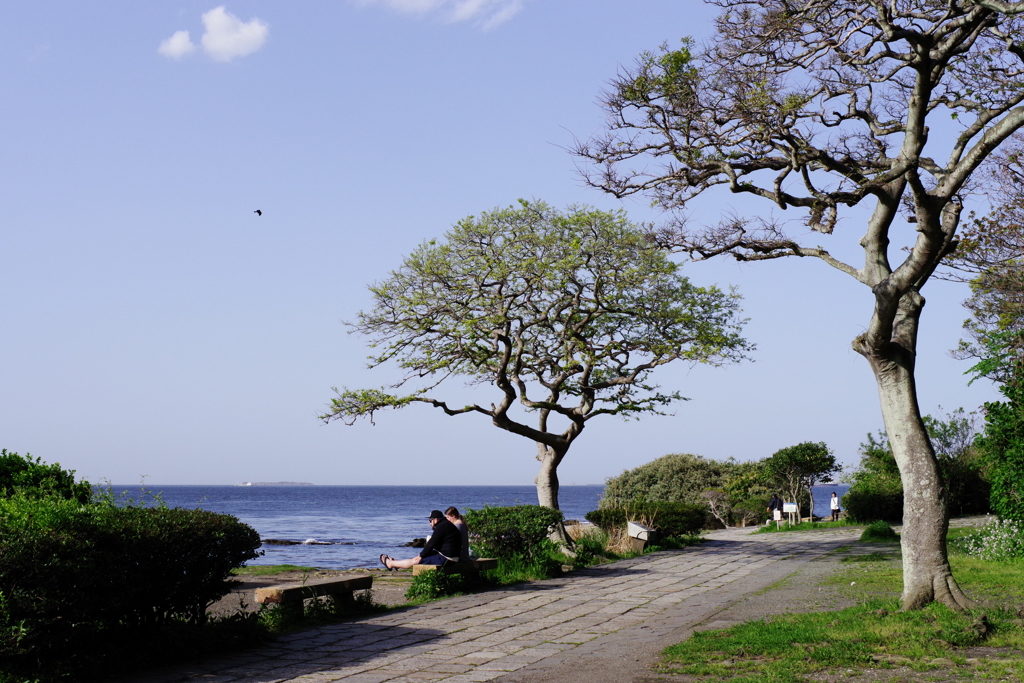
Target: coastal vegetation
{"x": 86, "y": 581}
{"x": 876, "y": 486}
{"x": 565, "y": 314}
{"x": 828, "y": 109}
{"x": 717, "y": 493}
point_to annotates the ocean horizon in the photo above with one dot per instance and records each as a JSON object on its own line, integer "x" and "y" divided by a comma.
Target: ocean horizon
{"x": 348, "y": 527}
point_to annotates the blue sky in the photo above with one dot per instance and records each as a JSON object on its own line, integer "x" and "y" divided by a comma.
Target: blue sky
{"x": 154, "y": 326}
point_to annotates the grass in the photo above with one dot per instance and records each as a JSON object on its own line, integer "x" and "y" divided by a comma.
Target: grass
{"x": 805, "y": 526}
{"x": 271, "y": 570}
{"x": 874, "y": 633}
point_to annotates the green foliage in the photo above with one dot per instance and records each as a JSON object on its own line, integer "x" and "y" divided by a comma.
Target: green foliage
{"x": 564, "y": 313}
{"x": 91, "y": 582}
{"x": 1002, "y": 447}
{"x": 544, "y": 563}
{"x": 868, "y": 506}
{"x": 876, "y": 488}
{"x": 1000, "y": 541}
{"x": 797, "y": 468}
{"x": 753, "y": 510}
{"x": 670, "y": 519}
{"x": 436, "y": 584}
{"x": 513, "y": 531}
{"x": 879, "y": 531}
{"x": 34, "y": 478}
{"x": 675, "y": 478}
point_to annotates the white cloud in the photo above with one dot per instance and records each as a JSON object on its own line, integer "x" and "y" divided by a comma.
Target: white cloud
{"x": 228, "y": 37}
{"x": 177, "y": 46}
{"x": 487, "y": 14}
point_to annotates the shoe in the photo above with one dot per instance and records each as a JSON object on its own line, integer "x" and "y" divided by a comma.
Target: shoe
{"x": 384, "y": 561}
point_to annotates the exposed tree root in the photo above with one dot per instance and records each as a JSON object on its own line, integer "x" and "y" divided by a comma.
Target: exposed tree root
{"x": 943, "y": 588}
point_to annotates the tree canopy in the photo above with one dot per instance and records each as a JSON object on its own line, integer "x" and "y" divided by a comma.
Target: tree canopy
{"x": 673, "y": 478}
{"x": 32, "y": 477}
{"x": 820, "y": 106}
{"x": 797, "y": 468}
{"x": 565, "y": 314}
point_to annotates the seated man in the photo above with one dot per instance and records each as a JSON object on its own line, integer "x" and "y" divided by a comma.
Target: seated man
{"x": 444, "y": 545}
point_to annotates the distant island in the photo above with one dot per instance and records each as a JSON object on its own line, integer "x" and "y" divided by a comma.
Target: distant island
{"x": 276, "y": 483}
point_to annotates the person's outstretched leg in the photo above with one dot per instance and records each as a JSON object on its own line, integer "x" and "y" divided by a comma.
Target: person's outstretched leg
{"x": 392, "y": 563}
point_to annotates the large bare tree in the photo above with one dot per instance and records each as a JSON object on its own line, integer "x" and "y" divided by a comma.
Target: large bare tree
{"x": 821, "y": 106}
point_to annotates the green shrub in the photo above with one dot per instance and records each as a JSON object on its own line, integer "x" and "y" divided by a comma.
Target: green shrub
{"x": 879, "y": 531}
{"x": 998, "y": 541}
{"x": 434, "y": 585}
{"x": 677, "y": 478}
{"x": 33, "y": 477}
{"x": 1002, "y": 445}
{"x": 669, "y": 519}
{"x": 868, "y": 506}
{"x": 513, "y": 531}
{"x": 91, "y": 583}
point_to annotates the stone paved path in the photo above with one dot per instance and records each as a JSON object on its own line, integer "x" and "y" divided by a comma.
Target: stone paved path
{"x": 599, "y": 616}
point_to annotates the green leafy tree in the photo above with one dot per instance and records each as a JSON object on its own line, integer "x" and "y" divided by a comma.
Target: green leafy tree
{"x": 819, "y": 106}
{"x": 991, "y": 259}
{"x": 797, "y": 468}
{"x": 566, "y": 315}
{"x": 674, "y": 478}
{"x": 33, "y": 477}
{"x": 876, "y": 487}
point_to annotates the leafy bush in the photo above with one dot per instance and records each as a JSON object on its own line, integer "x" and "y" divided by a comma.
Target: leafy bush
{"x": 88, "y": 582}
{"x": 879, "y": 531}
{"x": 434, "y": 585}
{"x": 868, "y": 506}
{"x": 677, "y": 478}
{"x": 999, "y": 541}
{"x": 670, "y": 519}
{"x": 876, "y": 490}
{"x": 34, "y": 478}
{"x": 753, "y": 510}
{"x": 513, "y": 531}
{"x": 1002, "y": 445}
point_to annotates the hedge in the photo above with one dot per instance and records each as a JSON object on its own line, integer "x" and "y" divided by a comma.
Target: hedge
{"x": 81, "y": 582}
{"x": 870, "y": 506}
{"x": 517, "y": 530}
{"x": 670, "y": 519}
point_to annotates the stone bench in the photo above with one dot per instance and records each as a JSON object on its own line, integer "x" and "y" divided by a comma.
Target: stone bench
{"x": 471, "y": 567}
{"x": 341, "y": 588}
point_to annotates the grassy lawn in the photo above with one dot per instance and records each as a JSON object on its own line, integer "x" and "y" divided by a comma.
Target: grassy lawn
{"x": 931, "y": 644}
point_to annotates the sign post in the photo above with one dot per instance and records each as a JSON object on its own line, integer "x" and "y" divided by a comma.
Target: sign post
{"x": 789, "y": 508}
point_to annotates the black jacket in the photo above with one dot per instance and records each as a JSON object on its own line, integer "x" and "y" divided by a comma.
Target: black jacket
{"x": 446, "y": 540}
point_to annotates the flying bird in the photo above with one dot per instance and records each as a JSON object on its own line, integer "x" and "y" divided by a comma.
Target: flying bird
{"x": 258, "y": 212}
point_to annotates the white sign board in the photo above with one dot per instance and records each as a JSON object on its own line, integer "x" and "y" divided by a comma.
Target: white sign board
{"x": 789, "y": 507}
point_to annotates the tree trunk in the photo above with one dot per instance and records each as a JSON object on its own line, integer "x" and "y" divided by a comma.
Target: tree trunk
{"x": 547, "y": 478}
{"x": 547, "y": 492}
{"x": 926, "y": 572}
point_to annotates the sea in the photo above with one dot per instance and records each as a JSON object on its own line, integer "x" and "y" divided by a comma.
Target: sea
{"x": 347, "y": 527}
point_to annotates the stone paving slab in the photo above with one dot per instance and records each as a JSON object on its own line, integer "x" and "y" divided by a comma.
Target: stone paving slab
{"x": 599, "y": 613}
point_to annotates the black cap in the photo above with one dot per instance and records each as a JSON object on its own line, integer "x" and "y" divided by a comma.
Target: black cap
{"x": 436, "y": 514}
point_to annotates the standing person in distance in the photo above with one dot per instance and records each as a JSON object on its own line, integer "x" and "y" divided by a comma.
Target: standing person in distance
{"x": 834, "y": 505}
{"x": 444, "y": 545}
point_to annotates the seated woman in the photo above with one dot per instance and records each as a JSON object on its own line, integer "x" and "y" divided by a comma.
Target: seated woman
{"x": 444, "y": 545}
{"x": 453, "y": 516}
